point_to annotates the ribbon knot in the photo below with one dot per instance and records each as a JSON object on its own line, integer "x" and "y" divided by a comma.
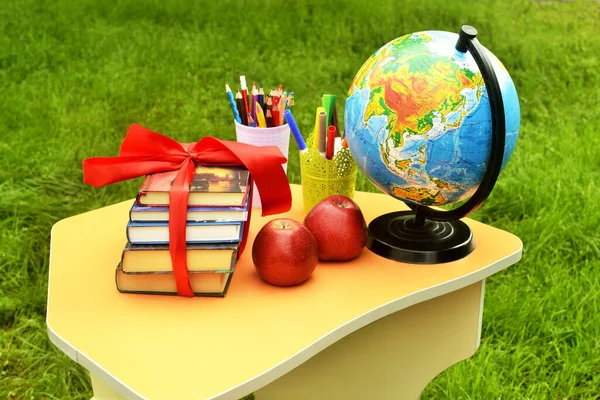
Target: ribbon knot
{"x": 145, "y": 152}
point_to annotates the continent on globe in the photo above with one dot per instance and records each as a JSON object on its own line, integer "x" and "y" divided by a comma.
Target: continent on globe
{"x": 402, "y": 91}
{"x": 419, "y": 195}
{"x": 418, "y": 119}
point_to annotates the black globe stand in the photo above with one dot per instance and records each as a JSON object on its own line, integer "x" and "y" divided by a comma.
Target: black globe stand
{"x": 400, "y": 236}
{"x": 429, "y": 236}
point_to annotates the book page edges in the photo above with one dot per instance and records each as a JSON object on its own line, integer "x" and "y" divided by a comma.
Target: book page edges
{"x": 196, "y": 199}
{"x": 223, "y": 262}
{"x": 203, "y": 284}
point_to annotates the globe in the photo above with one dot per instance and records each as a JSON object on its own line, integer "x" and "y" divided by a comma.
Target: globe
{"x": 418, "y": 119}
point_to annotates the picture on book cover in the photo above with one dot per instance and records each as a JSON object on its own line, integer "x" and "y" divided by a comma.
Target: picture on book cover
{"x": 213, "y": 179}
{"x": 210, "y": 186}
{"x": 233, "y": 180}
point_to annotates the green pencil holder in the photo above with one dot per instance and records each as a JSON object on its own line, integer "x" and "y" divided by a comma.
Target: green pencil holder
{"x": 322, "y": 178}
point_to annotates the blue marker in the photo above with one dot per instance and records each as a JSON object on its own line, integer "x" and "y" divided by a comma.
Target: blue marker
{"x": 294, "y": 128}
{"x": 236, "y": 113}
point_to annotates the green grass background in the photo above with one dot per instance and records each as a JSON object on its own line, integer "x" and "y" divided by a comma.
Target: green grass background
{"x": 75, "y": 74}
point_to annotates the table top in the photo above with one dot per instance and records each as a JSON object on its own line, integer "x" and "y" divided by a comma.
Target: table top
{"x": 164, "y": 347}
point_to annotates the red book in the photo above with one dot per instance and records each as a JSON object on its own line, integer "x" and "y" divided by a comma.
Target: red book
{"x": 211, "y": 186}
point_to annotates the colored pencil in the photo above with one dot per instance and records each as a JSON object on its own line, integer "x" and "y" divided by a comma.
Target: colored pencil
{"x": 269, "y": 105}
{"x": 275, "y": 110}
{"x": 330, "y": 142}
{"x": 282, "y": 101}
{"x": 244, "y": 94}
{"x": 290, "y": 103}
{"x": 254, "y": 100}
{"x": 261, "y": 97}
{"x": 282, "y": 108}
{"x": 260, "y": 116}
{"x": 276, "y": 94}
{"x": 236, "y": 114}
{"x": 253, "y": 108}
{"x": 251, "y": 121}
{"x": 240, "y": 106}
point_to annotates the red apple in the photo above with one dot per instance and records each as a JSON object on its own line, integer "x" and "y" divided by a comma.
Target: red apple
{"x": 339, "y": 227}
{"x": 284, "y": 252}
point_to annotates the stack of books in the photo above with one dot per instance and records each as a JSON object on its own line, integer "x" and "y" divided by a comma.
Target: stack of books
{"x": 217, "y": 211}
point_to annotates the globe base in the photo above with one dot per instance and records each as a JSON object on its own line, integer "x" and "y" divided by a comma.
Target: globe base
{"x": 399, "y": 237}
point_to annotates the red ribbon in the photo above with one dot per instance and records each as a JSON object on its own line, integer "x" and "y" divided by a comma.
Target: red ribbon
{"x": 145, "y": 152}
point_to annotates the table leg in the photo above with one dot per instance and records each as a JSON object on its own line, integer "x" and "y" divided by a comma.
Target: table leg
{"x": 103, "y": 391}
{"x": 392, "y": 358}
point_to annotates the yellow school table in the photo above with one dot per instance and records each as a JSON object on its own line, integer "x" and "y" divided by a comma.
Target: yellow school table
{"x": 367, "y": 329}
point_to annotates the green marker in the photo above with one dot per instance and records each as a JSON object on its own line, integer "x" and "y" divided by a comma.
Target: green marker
{"x": 328, "y": 104}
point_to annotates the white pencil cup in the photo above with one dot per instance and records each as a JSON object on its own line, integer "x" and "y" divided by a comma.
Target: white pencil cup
{"x": 277, "y": 136}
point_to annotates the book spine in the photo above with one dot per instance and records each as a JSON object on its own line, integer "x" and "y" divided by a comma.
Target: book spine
{"x": 138, "y": 198}
{"x": 241, "y": 232}
{"x": 234, "y": 257}
{"x": 198, "y": 294}
{"x": 117, "y": 279}
{"x": 123, "y": 254}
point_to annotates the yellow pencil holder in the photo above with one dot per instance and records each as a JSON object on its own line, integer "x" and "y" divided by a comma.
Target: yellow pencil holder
{"x": 322, "y": 178}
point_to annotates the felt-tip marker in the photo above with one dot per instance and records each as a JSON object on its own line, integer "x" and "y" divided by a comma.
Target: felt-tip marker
{"x": 295, "y": 131}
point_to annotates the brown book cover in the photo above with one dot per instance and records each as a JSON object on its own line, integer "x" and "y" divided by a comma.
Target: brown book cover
{"x": 211, "y": 186}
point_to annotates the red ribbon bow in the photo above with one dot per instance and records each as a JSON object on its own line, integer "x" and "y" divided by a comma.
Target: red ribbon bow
{"x": 145, "y": 152}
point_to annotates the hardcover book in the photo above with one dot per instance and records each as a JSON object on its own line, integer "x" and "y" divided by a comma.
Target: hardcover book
{"x": 148, "y": 213}
{"x": 211, "y": 186}
{"x": 152, "y": 258}
{"x": 203, "y": 283}
{"x": 157, "y": 232}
